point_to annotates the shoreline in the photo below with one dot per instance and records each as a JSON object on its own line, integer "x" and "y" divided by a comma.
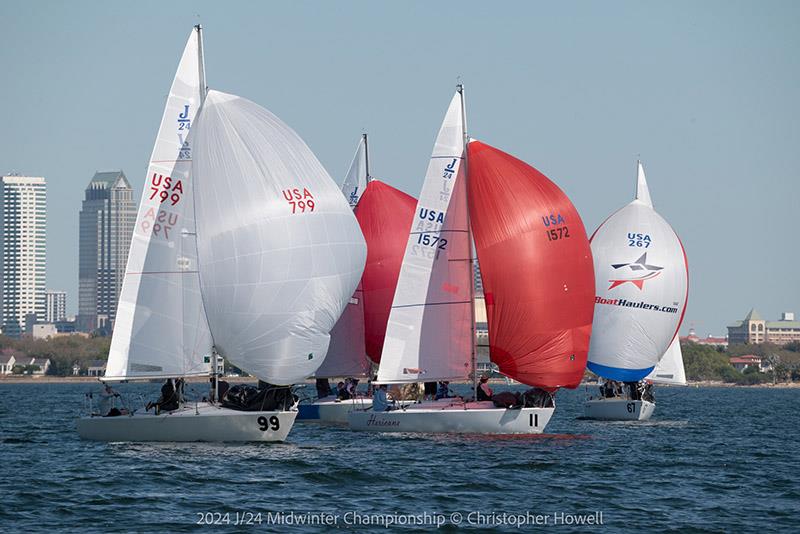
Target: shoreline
{"x": 49, "y": 379}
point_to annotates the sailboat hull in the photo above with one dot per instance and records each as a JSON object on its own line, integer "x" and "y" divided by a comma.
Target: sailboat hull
{"x": 456, "y": 418}
{"x": 330, "y": 411}
{"x": 618, "y": 409}
{"x": 201, "y": 422}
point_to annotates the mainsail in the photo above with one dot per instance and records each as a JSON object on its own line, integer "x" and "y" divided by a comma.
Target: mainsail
{"x": 642, "y": 289}
{"x": 280, "y": 249}
{"x": 430, "y": 329}
{"x": 355, "y": 183}
{"x": 536, "y": 267}
{"x": 160, "y": 328}
{"x": 669, "y": 369}
{"x": 346, "y": 352}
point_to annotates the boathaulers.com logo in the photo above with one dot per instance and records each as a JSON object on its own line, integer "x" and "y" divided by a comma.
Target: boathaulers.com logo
{"x": 637, "y": 273}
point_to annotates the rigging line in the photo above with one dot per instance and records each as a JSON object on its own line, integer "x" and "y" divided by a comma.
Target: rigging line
{"x": 432, "y": 304}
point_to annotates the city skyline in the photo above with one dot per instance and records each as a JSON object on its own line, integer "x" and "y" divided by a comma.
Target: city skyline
{"x": 710, "y": 115}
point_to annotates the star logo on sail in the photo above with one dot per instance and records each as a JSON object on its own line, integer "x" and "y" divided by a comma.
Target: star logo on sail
{"x": 640, "y": 272}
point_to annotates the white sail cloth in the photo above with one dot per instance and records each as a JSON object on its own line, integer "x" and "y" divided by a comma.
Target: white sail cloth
{"x": 669, "y": 369}
{"x": 429, "y": 334}
{"x": 160, "y": 328}
{"x": 347, "y": 354}
{"x": 356, "y": 180}
{"x": 642, "y": 282}
{"x": 280, "y": 249}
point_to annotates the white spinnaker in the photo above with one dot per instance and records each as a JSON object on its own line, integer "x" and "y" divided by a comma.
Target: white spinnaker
{"x": 356, "y": 180}
{"x": 347, "y": 354}
{"x": 642, "y": 280}
{"x": 429, "y": 334}
{"x": 160, "y": 328}
{"x": 669, "y": 369}
{"x": 280, "y": 249}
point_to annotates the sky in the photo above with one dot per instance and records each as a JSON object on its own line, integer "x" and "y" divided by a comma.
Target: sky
{"x": 706, "y": 93}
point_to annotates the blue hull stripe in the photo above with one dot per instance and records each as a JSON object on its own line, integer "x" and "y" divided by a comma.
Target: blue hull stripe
{"x": 308, "y": 411}
{"x": 616, "y": 373}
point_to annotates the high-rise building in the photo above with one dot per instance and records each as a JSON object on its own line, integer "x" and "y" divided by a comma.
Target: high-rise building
{"x": 55, "y": 308}
{"x": 23, "y": 242}
{"x": 107, "y": 217}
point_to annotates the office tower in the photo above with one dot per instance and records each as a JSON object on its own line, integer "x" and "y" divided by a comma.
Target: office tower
{"x": 107, "y": 217}
{"x": 23, "y": 242}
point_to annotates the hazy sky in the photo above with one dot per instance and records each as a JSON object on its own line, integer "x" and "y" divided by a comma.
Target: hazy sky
{"x": 708, "y": 93}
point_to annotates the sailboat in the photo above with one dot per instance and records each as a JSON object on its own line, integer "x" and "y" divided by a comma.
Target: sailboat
{"x": 669, "y": 370}
{"x": 243, "y": 248}
{"x": 642, "y": 278}
{"x": 384, "y": 214}
{"x": 538, "y": 281}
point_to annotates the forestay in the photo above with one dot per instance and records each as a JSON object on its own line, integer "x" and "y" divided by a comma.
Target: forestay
{"x": 429, "y": 334}
{"x": 280, "y": 249}
{"x": 642, "y": 289}
{"x": 160, "y": 328}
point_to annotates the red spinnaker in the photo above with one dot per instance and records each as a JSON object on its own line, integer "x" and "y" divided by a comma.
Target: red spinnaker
{"x": 537, "y": 270}
{"x": 385, "y": 216}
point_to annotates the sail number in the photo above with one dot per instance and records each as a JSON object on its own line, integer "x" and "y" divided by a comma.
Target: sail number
{"x": 432, "y": 241}
{"x": 631, "y": 407}
{"x": 264, "y": 424}
{"x": 300, "y": 201}
{"x": 554, "y": 234}
{"x": 165, "y": 188}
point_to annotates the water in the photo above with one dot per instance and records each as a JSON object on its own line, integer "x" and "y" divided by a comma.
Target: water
{"x": 711, "y": 460}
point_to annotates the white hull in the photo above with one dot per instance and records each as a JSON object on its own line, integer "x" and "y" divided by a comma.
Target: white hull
{"x": 455, "y": 418}
{"x": 201, "y": 422}
{"x": 331, "y": 411}
{"x": 618, "y": 409}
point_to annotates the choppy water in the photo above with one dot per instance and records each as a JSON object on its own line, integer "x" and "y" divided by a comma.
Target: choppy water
{"x": 711, "y": 460}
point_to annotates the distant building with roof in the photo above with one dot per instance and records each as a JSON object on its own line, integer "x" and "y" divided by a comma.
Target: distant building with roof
{"x": 710, "y": 340}
{"x": 107, "y": 218}
{"x": 7, "y": 362}
{"x": 743, "y": 362}
{"x": 754, "y": 329}
{"x": 96, "y": 368}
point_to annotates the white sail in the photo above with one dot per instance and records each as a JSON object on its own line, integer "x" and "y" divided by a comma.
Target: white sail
{"x": 669, "y": 369}
{"x": 642, "y": 282}
{"x": 347, "y": 355}
{"x": 280, "y": 249}
{"x": 160, "y": 328}
{"x": 357, "y": 176}
{"x": 429, "y": 335}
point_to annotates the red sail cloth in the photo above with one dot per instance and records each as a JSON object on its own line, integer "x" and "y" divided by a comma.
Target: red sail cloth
{"x": 536, "y": 266}
{"x": 385, "y": 215}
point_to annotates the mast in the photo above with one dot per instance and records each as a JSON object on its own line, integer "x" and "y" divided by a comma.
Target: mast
{"x": 474, "y": 356}
{"x": 201, "y": 64}
{"x": 201, "y": 69}
{"x": 366, "y": 156}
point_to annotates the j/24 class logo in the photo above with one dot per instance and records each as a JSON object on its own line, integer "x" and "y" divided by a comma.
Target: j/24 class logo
{"x": 639, "y": 240}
